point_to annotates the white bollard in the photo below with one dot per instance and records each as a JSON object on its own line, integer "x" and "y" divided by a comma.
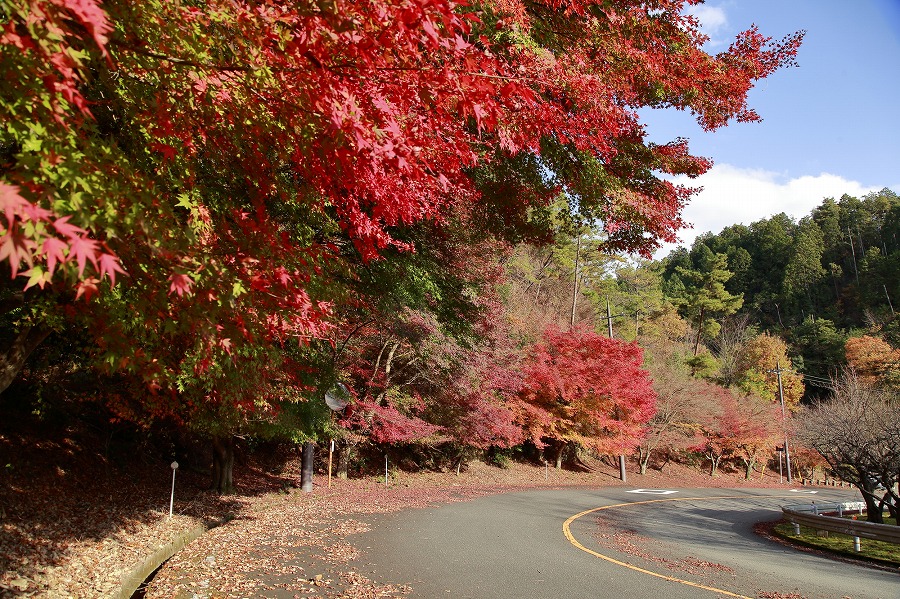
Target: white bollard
{"x": 856, "y": 544}
{"x": 796, "y": 529}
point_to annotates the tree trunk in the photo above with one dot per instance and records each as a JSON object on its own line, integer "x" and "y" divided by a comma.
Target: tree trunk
{"x": 223, "y": 464}
{"x": 12, "y": 360}
{"x": 713, "y": 464}
{"x": 575, "y": 283}
{"x": 873, "y": 506}
{"x": 644, "y": 459}
{"x": 699, "y": 330}
{"x": 559, "y": 455}
{"x": 387, "y": 374}
{"x": 665, "y": 462}
{"x": 748, "y": 469}
{"x": 307, "y": 467}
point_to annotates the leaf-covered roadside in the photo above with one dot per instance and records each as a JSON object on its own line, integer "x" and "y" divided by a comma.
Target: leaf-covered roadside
{"x": 299, "y": 545}
{"x": 71, "y": 526}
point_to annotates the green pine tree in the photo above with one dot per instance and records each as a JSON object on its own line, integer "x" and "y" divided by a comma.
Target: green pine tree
{"x": 704, "y": 294}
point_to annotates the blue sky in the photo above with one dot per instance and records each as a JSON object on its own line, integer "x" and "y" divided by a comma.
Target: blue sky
{"x": 830, "y": 125}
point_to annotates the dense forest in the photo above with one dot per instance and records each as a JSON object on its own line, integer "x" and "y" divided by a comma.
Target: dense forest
{"x": 816, "y": 283}
{"x": 413, "y": 229}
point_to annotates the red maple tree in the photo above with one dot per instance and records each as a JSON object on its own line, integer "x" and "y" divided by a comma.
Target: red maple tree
{"x": 380, "y": 109}
{"x": 231, "y": 157}
{"x": 585, "y": 389}
{"x": 745, "y": 429}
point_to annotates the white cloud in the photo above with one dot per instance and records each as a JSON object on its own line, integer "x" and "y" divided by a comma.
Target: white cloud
{"x": 712, "y": 18}
{"x": 733, "y": 195}
{"x": 713, "y": 22}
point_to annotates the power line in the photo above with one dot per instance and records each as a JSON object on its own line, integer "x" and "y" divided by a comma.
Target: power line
{"x": 814, "y": 380}
{"x": 819, "y": 379}
{"x": 821, "y": 384}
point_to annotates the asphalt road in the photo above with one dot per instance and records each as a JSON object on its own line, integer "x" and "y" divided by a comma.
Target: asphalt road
{"x": 515, "y": 546}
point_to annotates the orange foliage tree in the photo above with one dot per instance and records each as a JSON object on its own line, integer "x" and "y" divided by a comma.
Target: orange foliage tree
{"x": 874, "y": 361}
{"x": 745, "y": 429}
{"x": 756, "y": 363}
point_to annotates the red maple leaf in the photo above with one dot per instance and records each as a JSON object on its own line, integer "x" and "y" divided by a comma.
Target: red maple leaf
{"x": 92, "y": 17}
{"x": 87, "y": 288}
{"x": 109, "y": 265}
{"x": 55, "y": 251}
{"x": 84, "y": 250}
{"x": 180, "y": 284}
{"x": 11, "y": 203}
{"x": 16, "y": 248}
{"x": 64, "y": 227}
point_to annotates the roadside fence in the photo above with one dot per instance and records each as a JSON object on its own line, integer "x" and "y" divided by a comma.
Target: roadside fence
{"x": 826, "y": 518}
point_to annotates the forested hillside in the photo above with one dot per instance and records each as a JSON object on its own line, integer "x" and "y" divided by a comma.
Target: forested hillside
{"x": 832, "y": 276}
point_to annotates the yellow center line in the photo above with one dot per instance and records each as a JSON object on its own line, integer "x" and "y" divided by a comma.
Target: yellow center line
{"x": 568, "y": 532}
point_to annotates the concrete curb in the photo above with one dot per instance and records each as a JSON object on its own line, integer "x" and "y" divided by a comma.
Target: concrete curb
{"x": 132, "y": 580}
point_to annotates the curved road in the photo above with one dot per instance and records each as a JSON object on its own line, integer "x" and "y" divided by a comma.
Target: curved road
{"x": 534, "y": 545}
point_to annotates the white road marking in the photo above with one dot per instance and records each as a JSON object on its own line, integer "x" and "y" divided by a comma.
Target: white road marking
{"x": 652, "y": 491}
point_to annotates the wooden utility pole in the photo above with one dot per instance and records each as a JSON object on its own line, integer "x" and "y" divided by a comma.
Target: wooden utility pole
{"x": 787, "y": 451}
{"x": 853, "y": 253}
{"x": 330, "y": 457}
{"x": 575, "y": 284}
{"x": 609, "y": 318}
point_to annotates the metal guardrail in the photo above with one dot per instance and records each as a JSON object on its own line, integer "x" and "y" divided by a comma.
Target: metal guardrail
{"x": 829, "y": 509}
{"x": 814, "y": 517}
